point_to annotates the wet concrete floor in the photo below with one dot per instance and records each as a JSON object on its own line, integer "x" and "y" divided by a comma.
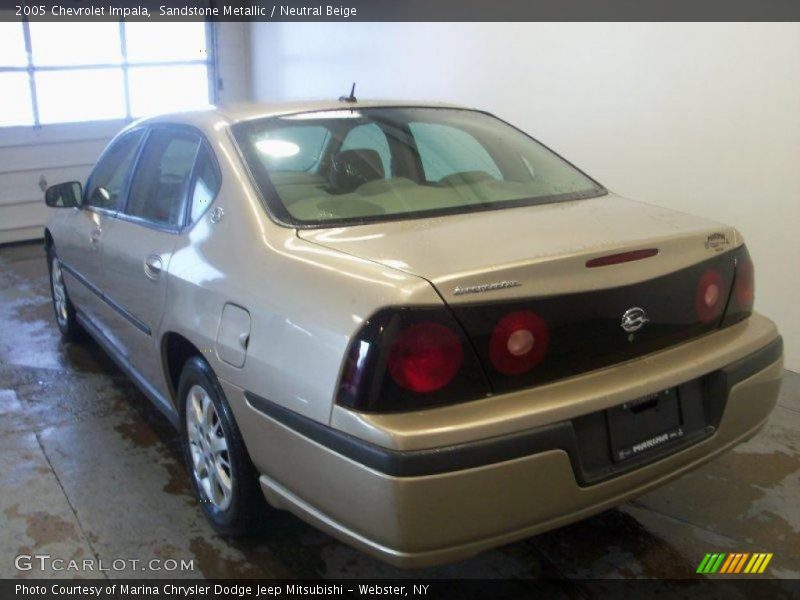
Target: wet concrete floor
{"x": 89, "y": 469}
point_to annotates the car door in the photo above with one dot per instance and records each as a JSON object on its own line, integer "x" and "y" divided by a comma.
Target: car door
{"x": 136, "y": 257}
{"x": 85, "y": 229}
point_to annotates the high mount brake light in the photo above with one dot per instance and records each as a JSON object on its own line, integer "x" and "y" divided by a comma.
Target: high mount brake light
{"x": 622, "y": 257}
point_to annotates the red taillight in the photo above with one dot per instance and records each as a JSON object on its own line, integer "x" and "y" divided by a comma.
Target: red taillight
{"x": 518, "y": 342}
{"x": 710, "y": 297}
{"x": 425, "y": 357}
{"x": 744, "y": 288}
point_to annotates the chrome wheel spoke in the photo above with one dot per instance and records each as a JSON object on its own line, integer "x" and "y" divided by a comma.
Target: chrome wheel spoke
{"x": 196, "y": 406}
{"x": 217, "y": 495}
{"x": 224, "y": 462}
{"x": 194, "y": 436}
{"x": 208, "y": 412}
{"x": 208, "y": 488}
{"x": 223, "y": 480}
{"x": 218, "y": 444}
{"x": 197, "y": 461}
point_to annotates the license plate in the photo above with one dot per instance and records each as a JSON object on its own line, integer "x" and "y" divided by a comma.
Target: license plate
{"x": 644, "y": 424}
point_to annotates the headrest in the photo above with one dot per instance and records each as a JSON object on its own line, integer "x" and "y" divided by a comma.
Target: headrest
{"x": 352, "y": 168}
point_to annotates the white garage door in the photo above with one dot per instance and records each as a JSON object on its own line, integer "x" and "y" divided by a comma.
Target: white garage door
{"x": 65, "y": 95}
{"x": 31, "y": 158}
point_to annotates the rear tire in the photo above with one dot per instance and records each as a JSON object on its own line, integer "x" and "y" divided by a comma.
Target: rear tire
{"x": 224, "y": 478}
{"x": 63, "y": 308}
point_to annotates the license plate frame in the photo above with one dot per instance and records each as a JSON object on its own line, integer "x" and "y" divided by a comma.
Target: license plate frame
{"x": 644, "y": 425}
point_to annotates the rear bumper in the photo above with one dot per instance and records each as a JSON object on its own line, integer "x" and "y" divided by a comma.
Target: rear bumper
{"x": 426, "y": 506}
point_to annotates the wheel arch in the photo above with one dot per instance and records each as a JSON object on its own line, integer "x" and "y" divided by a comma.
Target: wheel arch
{"x": 176, "y": 349}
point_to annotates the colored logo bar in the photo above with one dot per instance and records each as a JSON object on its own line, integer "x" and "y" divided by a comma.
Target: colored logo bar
{"x": 735, "y": 562}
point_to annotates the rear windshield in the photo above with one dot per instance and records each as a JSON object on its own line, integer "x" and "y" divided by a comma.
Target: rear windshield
{"x": 374, "y": 164}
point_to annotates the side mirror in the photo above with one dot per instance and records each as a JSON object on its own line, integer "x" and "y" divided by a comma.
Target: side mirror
{"x": 64, "y": 195}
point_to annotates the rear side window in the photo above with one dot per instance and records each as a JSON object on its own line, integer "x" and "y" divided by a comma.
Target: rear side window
{"x": 109, "y": 176}
{"x": 159, "y": 189}
{"x": 206, "y": 183}
{"x": 446, "y": 150}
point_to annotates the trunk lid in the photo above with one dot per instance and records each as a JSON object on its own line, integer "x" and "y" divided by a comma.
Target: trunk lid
{"x": 543, "y": 249}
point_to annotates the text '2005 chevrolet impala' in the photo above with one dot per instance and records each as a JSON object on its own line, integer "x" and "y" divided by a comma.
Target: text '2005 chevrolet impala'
{"x": 411, "y": 325}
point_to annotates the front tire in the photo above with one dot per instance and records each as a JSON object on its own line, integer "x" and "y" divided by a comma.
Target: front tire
{"x": 224, "y": 479}
{"x": 63, "y": 308}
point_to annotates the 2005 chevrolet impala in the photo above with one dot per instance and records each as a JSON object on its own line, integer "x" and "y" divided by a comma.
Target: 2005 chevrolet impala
{"x": 411, "y": 325}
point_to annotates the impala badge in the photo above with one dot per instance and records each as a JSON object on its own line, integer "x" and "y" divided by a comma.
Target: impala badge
{"x": 633, "y": 319}
{"x": 487, "y": 287}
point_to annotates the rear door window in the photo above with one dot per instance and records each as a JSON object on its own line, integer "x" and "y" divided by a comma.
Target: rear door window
{"x": 161, "y": 181}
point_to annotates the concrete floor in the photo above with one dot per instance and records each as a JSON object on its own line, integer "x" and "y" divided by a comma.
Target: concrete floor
{"x": 89, "y": 469}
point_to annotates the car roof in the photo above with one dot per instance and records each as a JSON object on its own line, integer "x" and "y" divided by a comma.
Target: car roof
{"x": 235, "y": 113}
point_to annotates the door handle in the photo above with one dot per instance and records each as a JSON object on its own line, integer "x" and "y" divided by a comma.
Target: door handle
{"x": 94, "y": 239}
{"x": 153, "y": 266}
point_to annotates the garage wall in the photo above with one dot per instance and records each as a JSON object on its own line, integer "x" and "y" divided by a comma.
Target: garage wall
{"x": 50, "y": 154}
{"x": 698, "y": 117}
{"x": 54, "y": 153}
{"x": 233, "y": 62}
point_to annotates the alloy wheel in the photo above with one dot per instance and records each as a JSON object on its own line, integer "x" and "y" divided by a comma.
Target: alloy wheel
{"x": 59, "y": 293}
{"x": 208, "y": 446}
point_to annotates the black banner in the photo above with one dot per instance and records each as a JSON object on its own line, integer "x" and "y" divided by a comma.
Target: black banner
{"x": 404, "y": 10}
{"x": 182, "y": 589}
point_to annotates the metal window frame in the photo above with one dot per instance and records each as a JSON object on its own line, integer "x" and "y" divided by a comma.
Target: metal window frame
{"x": 210, "y": 62}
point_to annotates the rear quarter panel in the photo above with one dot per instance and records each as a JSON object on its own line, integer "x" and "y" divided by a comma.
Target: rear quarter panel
{"x": 305, "y": 301}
